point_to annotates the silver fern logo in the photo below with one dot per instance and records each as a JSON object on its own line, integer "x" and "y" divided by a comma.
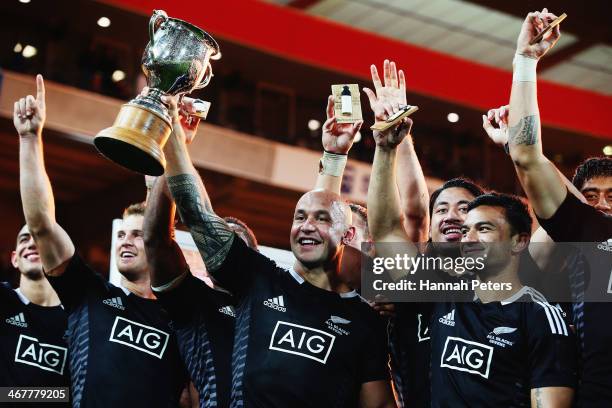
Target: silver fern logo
{"x": 504, "y": 330}
{"x": 339, "y": 320}
{"x": 495, "y": 339}
{"x": 333, "y": 324}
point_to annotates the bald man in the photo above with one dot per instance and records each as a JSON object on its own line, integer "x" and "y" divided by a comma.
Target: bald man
{"x": 303, "y": 338}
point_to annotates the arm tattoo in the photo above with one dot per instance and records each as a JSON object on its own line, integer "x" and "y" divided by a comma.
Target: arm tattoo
{"x": 525, "y": 132}
{"x": 538, "y": 398}
{"x": 210, "y": 232}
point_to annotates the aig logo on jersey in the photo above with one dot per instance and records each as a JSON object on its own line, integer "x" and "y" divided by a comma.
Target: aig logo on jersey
{"x": 42, "y": 355}
{"x": 468, "y": 356}
{"x": 139, "y": 336}
{"x": 302, "y": 341}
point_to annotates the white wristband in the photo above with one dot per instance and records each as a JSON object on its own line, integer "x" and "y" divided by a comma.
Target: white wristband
{"x": 332, "y": 164}
{"x": 524, "y": 69}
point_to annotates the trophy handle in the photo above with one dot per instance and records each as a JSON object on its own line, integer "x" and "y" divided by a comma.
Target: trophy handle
{"x": 207, "y": 77}
{"x": 157, "y": 14}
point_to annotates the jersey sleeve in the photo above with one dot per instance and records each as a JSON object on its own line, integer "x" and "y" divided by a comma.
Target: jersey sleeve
{"x": 375, "y": 366}
{"x": 552, "y": 347}
{"x": 575, "y": 221}
{"x": 76, "y": 283}
{"x": 240, "y": 267}
{"x": 7, "y": 296}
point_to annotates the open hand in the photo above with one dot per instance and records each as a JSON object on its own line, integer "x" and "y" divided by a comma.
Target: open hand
{"x": 386, "y": 101}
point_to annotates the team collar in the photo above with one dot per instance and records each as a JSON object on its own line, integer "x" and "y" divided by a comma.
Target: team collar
{"x": 299, "y": 279}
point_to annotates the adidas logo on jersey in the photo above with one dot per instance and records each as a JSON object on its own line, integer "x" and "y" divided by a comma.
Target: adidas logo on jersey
{"x": 17, "y": 320}
{"x": 276, "y": 303}
{"x": 448, "y": 319}
{"x": 606, "y": 245}
{"x": 114, "y": 302}
{"x": 228, "y": 310}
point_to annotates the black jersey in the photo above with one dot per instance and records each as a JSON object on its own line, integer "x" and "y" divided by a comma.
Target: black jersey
{"x": 409, "y": 342}
{"x": 493, "y": 354}
{"x": 575, "y": 221}
{"x": 410, "y": 347}
{"x": 121, "y": 348}
{"x": 33, "y": 351}
{"x": 204, "y": 322}
{"x": 297, "y": 345}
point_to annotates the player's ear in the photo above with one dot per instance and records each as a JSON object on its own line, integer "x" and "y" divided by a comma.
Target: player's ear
{"x": 348, "y": 236}
{"x": 14, "y": 259}
{"x": 520, "y": 242}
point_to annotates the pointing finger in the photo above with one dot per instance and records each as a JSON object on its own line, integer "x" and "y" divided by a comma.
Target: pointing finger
{"x": 40, "y": 90}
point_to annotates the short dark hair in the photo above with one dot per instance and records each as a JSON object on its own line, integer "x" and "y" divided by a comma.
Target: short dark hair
{"x": 134, "y": 209}
{"x": 238, "y": 225}
{"x": 460, "y": 182}
{"x": 590, "y": 168}
{"x": 517, "y": 213}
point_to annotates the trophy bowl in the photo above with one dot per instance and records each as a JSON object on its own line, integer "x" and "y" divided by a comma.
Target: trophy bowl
{"x": 175, "y": 62}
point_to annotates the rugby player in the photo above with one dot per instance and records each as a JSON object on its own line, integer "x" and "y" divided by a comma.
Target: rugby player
{"x": 202, "y": 316}
{"x": 564, "y": 217}
{"x": 298, "y": 332}
{"x": 33, "y": 323}
{"x": 409, "y": 335}
{"x": 122, "y": 350}
{"x": 521, "y": 371}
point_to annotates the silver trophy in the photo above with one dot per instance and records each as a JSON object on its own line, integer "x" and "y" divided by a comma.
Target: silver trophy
{"x": 175, "y": 62}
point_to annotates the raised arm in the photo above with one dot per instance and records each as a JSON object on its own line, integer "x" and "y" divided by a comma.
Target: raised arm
{"x": 210, "y": 232}
{"x": 337, "y": 140}
{"x": 538, "y": 176}
{"x": 414, "y": 195}
{"x": 495, "y": 123}
{"x": 54, "y": 244}
{"x": 541, "y": 246}
{"x": 165, "y": 258}
{"x": 385, "y": 218}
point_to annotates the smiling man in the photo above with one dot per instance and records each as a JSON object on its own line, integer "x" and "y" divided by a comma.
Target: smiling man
{"x": 303, "y": 338}
{"x": 509, "y": 346}
{"x": 33, "y": 324}
{"x": 468, "y": 367}
{"x": 113, "y": 332}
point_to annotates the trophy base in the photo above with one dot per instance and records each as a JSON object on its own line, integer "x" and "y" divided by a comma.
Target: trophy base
{"x": 135, "y": 140}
